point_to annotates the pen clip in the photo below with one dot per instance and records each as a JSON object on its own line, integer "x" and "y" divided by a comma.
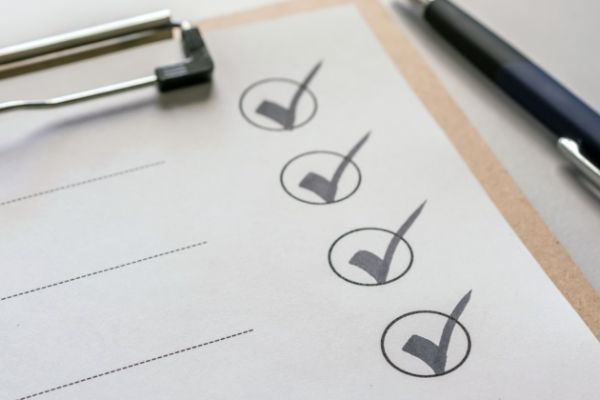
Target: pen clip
{"x": 570, "y": 149}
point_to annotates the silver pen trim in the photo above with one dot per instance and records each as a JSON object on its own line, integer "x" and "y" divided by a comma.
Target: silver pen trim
{"x": 570, "y": 149}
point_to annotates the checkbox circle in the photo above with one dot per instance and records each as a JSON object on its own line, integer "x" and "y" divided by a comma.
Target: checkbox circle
{"x": 276, "y": 89}
{"x": 465, "y": 347}
{"x": 322, "y": 161}
{"x": 339, "y": 262}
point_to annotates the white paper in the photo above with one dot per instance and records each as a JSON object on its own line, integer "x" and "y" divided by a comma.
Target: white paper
{"x": 217, "y": 278}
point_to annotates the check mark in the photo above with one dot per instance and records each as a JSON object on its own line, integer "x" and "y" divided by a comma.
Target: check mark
{"x": 327, "y": 188}
{"x": 435, "y": 355}
{"x": 373, "y": 264}
{"x": 286, "y": 116}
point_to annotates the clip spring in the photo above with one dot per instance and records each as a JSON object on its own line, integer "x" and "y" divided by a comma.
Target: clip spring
{"x": 195, "y": 69}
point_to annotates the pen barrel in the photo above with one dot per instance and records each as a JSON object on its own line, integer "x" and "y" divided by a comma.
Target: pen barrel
{"x": 553, "y": 105}
{"x": 545, "y": 98}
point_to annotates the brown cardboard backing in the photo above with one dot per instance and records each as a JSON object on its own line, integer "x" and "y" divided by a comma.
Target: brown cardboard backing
{"x": 495, "y": 180}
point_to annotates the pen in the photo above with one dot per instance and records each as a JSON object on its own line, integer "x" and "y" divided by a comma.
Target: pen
{"x": 576, "y": 125}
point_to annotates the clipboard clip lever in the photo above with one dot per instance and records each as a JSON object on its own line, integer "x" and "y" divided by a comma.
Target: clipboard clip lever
{"x": 195, "y": 69}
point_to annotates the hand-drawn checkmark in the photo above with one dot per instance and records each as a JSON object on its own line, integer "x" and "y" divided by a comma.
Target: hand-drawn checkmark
{"x": 286, "y": 116}
{"x": 373, "y": 264}
{"x": 435, "y": 355}
{"x": 327, "y": 188}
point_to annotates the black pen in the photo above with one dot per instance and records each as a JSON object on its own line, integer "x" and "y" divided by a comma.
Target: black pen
{"x": 576, "y": 124}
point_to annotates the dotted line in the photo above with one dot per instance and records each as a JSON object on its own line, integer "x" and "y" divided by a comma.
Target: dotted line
{"x": 137, "y": 364}
{"x": 102, "y": 271}
{"x": 76, "y": 184}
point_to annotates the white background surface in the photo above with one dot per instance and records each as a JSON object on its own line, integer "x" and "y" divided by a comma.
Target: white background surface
{"x": 562, "y": 36}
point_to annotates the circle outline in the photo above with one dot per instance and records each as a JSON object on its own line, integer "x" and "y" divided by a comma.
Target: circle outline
{"x": 462, "y": 361}
{"x": 267, "y": 80}
{"x": 308, "y": 153}
{"x": 408, "y": 267}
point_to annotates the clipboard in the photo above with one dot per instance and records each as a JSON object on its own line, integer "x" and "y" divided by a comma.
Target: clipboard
{"x": 496, "y": 181}
{"x": 299, "y": 296}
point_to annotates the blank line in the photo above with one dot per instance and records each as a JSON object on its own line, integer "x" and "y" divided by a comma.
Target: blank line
{"x": 76, "y": 184}
{"x": 137, "y": 364}
{"x": 191, "y": 246}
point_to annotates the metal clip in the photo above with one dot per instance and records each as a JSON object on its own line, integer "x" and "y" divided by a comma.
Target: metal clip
{"x": 570, "y": 149}
{"x": 195, "y": 69}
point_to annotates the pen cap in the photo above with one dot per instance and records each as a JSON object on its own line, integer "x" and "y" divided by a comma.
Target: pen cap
{"x": 480, "y": 45}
